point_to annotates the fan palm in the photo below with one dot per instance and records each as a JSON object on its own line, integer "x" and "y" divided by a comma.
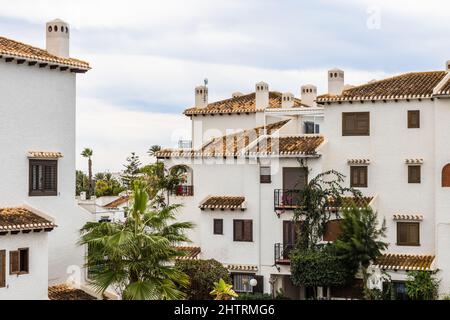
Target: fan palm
{"x": 135, "y": 258}
{"x": 87, "y": 153}
{"x": 153, "y": 150}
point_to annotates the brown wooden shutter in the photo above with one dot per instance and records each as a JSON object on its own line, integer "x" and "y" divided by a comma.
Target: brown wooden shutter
{"x": 2, "y": 268}
{"x": 413, "y": 119}
{"x": 414, "y": 174}
{"x": 218, "y": 226}
{"x": 355, "y": 123}
{"x": 14, "y": 267}
{"x": 332, "y": 230}
{"x": 259, "y": 288}
{"x": 248, "y": 230}
{"x": 237, "y": 230}
{"x": 446, "y": 176}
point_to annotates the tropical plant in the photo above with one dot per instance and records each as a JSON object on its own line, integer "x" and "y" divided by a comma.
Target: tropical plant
{"x": 131, "y": 171}
{"x": 422, "y": 285}
{"x": 360, "y": 241}
{"x": 153, "y": 150}
{"x": 136, "y": 257}
{"x": 223, "y": 291}
{"x": 82, "y": 182}
{"x": 202, "y": 274}
{"x": 106, "y": 185}
{"x": 87, "y": 153}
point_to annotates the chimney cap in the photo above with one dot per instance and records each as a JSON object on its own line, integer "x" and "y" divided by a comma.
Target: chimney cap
{"x": 336, "y": 69}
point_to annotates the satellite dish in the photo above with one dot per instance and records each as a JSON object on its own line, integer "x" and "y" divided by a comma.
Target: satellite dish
{"x": 206, "y": 81}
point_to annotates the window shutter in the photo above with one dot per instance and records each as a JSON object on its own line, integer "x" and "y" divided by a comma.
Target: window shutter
{"x": 413, "y": 119}
{"x": 237, "y": 230}
{"x": 2, "y": 268}
{"x": 218, "y": 226}
{"x": 14, "y": 262}
{"x": 248, "y": 230}
{"x": 259, "y": 288}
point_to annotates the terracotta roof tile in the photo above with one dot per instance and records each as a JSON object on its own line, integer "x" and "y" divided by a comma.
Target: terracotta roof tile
{"x": 18, "y": 219}
{"x": 44, "y": 154}
{"x": 408, "y": 217}
{"x": 21, "y": 50}
{"x": 190, "y": 252}
{"x": 117, "y": 202}
{"x": 241, "y": 267}
{"x": 240, "y": 104}
{"x": 405, "y": 86}
{"x": 288, "y": 145}
{"x": 406, "y": 262}
{"x": 223, "y": 202}
{"x": 64, "y": 292}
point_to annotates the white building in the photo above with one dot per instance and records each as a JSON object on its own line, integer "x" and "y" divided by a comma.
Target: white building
{"x": 37, "y": 108}
{"x": 107, "y": 208}
{"x": 388, "y": 137}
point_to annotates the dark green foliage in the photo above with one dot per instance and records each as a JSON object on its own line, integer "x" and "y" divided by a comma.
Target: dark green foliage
{"x": 202, "y": 274}
{"x": 422, "y": 285}
{"x": 319, "y": 267}
{"x": 82, "y": 182}
{"x": 131, "y": 171}
{"x": 254, "y": 296}
{"x": 106, "y": 185}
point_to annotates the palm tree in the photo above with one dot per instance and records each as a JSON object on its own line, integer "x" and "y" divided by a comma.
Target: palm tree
{"x": 87, "y": 153}
{"x": 359, "y": 242}
{"x": 223, "y": 290}
{"x": 135, "y": 257}
{"x": 153, "y": 150}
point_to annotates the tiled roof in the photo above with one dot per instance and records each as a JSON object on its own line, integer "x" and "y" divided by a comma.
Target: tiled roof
{"x": 223, "y": 202}
{"x": 406, "y": 262}
{"x": 358, "y": 161}
{"x": 405, "y": 86}
{"x": 408, "y": 217}
{"x": 117, "y": 202}
{"x": 240, "y": 104}
{"x": 190, "y": 252}
{"x": 64, "y": 292}
{"x": 414, "y": 161}
{"x": 229, "y": 145}
{"x": 287, "y": 145}
{"x": 21, "y": 50}
{"x": 348, "y": 202}
{"x": 22, "y": 219}
{"x": 445, "y": 88}
{"x": 241, "y": 267}
{"x": 44, "y": 154}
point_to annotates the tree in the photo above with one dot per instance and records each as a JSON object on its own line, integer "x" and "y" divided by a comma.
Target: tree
{"x": 360, "y": 240}
{"x": 223, "y": 291}
{"x": 135, "y": 257}
{"x": 422, "y": 285}
{"x": 131, "y": 171}
{"x": 82, "y": 182}
{"x": 87, "y": 153}
{"x": 106, "y": 185}
{"x": 202, "y": 275}
{"x": 153, "y": 150}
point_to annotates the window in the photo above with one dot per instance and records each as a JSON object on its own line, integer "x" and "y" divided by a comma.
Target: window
{"x": 18, "y": 261}
{"x": 311, "y": 127}
{"x": 414, "y": 174}
{"x": 355, "y": 123}
{"x": 2, "y": 268}
{"x": 408, "y": 233}
{"x": 413, "y": 119}
{"x": 446, "y": 176}
{"x": 43, "y": 177}
{"x": 358, "y": 176}
{"x": 241, "y": 282}
{"x": 332, "y": 230}
{"x": 264, "y": 175}
{"x": 243, "y": 230}
{"x": 218, "y": 226}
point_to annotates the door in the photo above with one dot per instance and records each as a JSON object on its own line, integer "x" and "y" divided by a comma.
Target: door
{"x": 290, "y": 235}
{"x": 2, "y": 268}
{"x": 294, "y": 179}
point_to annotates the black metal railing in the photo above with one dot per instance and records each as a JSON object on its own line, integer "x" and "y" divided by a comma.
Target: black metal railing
{"x": 183, "y": 191}
{"x": 282, "y": 251}
{"x": 286, "y": 199}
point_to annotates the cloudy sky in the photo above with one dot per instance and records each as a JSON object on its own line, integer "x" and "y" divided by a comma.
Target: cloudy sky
{"x": 147, "y": 56}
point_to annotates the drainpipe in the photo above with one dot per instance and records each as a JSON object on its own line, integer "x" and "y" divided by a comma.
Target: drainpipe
{"x": 259, "y": 222}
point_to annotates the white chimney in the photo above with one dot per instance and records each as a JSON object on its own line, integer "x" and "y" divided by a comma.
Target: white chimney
{"x": 237, "y": 94}
{"x": 447, "y": 65}
{"x": 287, "y": 100}
{"x": 201, "y": 96}
{"x": 262, "y": 95}
{"x": 309, "y": 95}
{"x": 335, "y": 81}
{"x": 57, "y": 39}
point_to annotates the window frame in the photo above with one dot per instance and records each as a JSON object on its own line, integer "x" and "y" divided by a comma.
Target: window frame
{"x": 355, "y": 170}
{"x": 265, "y": 178}
{"x": 242, "y": 237}
{"x": 53, "y": 191}
{"x": 355, "y": 131}
{"x": 241, "y": 276}
{"x": 414, "y": 178}
{"x": 220, "y": 231}
{"x": 2, "y": 268}
{"x": 406, "y": 242}
{"x": 413, "y": 121}
{"x": 20, "y": 270}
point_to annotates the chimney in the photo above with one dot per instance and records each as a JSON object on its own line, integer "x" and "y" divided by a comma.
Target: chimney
{"x": 57, "y": 38}
{"x": 335, "y": 81}
{"x": 309, "y": 95}
{"x": 447, "y": 65}
{"x": 201, "y": 96}
{"x": 261, "y": 95}
{"x": 237, "y": 94}
{"x": 287, "y": 100}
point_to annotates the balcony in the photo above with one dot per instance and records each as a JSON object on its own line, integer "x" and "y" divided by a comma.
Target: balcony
{"x": 281, "y": 253}
{"x": 286, "y": 199}
{"x": 183, "y": 191}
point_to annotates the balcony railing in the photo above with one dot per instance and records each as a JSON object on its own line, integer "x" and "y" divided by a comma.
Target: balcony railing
{"x": 286, "y": 199}
{"x": 282, "y": 251}
{"x": 183, "y": 191}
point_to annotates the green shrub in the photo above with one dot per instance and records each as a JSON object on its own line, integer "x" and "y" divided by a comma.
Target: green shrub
{"x": 254, "y": 296}
{"x": 202, "y": 274}
{"x": 422, "y": 285}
